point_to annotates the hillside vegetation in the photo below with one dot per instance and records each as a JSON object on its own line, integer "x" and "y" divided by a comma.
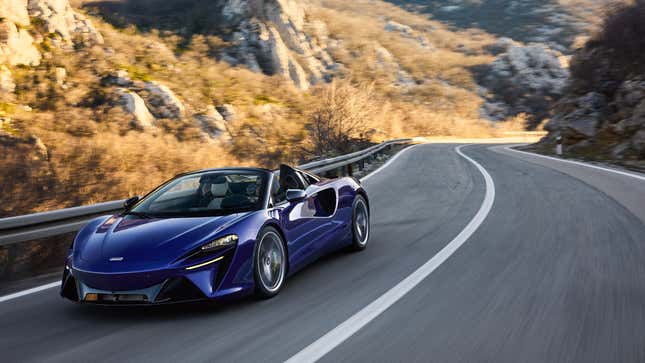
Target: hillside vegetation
{"x": 602, "y": 115}
{"x": 108, "y": 99}
{"x": 559, "y": 24}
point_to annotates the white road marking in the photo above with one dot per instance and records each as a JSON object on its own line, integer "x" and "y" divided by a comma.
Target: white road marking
{"x": 57, "y": 283}
{"x": 29, "y": 291}
{"x": 620, "y": 172}
{"x": 349, "y": 327}
{"x": 388, "y": 163}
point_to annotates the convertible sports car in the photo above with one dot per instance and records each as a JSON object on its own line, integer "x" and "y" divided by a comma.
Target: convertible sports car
{"x": 215, "y": 233}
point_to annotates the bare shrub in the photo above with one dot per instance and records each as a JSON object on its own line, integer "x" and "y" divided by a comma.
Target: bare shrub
{"x": 614, "y": 53}
{"x": 341, "y": 119}
{"x": 623, "y": 31}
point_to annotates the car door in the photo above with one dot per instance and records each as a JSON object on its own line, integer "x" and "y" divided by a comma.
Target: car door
{"x": 305, "y": 223}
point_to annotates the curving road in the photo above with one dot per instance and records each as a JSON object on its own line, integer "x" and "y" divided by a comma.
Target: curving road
{"x": 554, "y": 271}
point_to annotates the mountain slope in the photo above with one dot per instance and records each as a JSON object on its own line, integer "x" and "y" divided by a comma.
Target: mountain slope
{"x": 108, "y": 99}
{"x": 555, "y": 23}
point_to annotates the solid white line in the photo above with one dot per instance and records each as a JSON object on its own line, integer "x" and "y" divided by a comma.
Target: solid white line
{"x": 349, "y": 327}
{"x": 379, "y": 169}
{"x": 57, "y": 283}
{"x": 640, "y": 177}
{"x": 29, "y": 291}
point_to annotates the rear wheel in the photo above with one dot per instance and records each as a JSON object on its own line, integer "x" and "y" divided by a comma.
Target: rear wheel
{"x": 360, "y": 223}
{"x": 270, "y": 263}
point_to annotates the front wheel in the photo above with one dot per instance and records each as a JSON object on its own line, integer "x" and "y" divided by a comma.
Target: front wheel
{"x": 360, "y": 224}
{"x": 269, "y": 263}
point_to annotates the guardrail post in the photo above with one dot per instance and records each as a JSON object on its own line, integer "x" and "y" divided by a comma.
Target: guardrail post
{"x": 350, "y": 170}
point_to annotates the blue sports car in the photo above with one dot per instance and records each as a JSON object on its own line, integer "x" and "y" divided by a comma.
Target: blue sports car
{"x": 215, "y": 233}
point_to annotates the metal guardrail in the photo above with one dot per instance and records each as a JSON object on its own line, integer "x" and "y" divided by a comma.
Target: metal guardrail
{"x": 48, "y": 224}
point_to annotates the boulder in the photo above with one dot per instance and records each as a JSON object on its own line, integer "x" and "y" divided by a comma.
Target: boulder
{"x": 17, "y": 46}
{"x": 60, "y": 18}
{"x": 212, "y": 122}
{"x": 526, "y": 78}
{"x": 582, "y": 117}
{"x": 630, "y": 93}
{"x": 60, "y": 75}
{"x": 163, "y": 102}
{"x": 119, "y": 78}
{"x": 227, "y": 111}
{"x": 14, "y": 11}
{"x": 134, "y": 105}
{"x": 392, "y": 26}
{"x": 7, "y": 84}
{"x": 407, "y": 32}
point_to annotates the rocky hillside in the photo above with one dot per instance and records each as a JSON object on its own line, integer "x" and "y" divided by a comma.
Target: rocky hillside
{"x": 602, "y": 114}
{"x": 536, "y": 39}
{"x": 558, "y": 24}
{"x": 104, "y": 99}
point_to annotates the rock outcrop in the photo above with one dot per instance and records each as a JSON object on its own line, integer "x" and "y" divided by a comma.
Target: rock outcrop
{"x": 162, "y": 101}
{"x": 612, "y": 125}
{"x": 603, "y": 113}
{"x": 227, "y": 111}
{"x": 136, "y": 106}
{"x": 407, "y": 32}
{"x": 58, "y": 17}
{"x": 14, "y": 11}
{"x": 17, "y": 45}
{"x": 212, "y": 122}
{"x": 386, "y": 61}
{"x": 273, "y": 36}
{"x": 523, "y": 79}
{"x": 7, "y": 84}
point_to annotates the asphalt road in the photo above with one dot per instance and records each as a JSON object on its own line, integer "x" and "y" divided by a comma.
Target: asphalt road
{"x": 555, "y": 273}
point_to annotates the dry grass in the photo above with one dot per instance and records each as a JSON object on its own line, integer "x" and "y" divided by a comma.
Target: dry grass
{"x": 94, "y": 154}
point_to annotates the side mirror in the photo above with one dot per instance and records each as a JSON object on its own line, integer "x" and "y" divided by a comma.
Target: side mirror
{"x": 130, "y": 202}
{"x": 296, "y": 195}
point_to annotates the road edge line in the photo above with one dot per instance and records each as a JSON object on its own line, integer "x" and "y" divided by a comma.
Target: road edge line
{"x": 33, "y": 290}
{"x": 387, "y": 163}
{"x": 323, "y": 345}
{"x": 620, "y": 172}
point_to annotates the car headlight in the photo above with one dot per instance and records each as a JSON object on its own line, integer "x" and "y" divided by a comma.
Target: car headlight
{"x": 221, "y": 242}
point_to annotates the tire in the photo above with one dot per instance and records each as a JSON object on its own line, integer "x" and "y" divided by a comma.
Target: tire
{"x": 269, "y": 263}
{"x": 360, "y": 223}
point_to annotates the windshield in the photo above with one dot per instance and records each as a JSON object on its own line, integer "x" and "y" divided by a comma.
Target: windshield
{"x": 206, "y": 194}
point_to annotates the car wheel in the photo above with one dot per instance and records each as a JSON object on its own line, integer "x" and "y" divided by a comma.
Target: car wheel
{"x": 270, "y": 263}
{"x": 360, "y": 223}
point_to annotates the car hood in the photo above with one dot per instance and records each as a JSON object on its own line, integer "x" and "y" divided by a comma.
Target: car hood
{"x": 135, "y": 243}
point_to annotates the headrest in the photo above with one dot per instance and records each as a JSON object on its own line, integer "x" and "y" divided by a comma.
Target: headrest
{"x": 219, "y": 190}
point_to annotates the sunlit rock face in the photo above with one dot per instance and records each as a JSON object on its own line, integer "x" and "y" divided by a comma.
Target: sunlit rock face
{"x": 14, "y": 11}
{"x": 134, "y": 105}
{"x": 17, "y": 46}
{"x": 55, "y": 18}
{"x": 274, "y": 37}
{"x": 59, "y": 18}
{"x": 162, "y": 101}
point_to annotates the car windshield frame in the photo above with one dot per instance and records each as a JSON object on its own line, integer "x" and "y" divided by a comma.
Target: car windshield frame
{"x": 142, "y": 208}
